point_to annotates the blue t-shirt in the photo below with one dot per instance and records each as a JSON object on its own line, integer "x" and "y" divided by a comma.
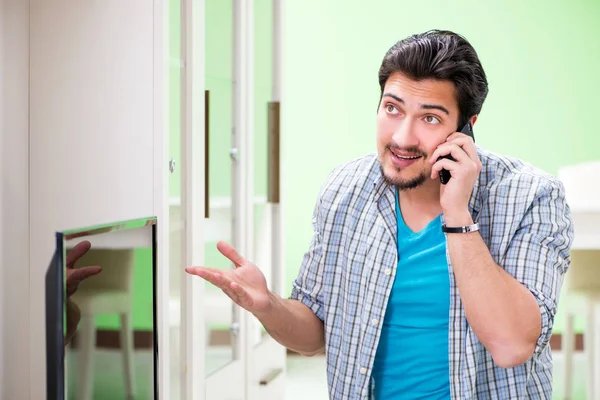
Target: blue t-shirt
{"x": 412, "y": 355}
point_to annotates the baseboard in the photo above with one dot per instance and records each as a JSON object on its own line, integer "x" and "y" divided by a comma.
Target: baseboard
{"x": 109, "y": 339}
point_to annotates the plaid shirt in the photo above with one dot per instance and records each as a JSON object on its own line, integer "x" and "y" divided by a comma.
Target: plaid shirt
{"x": 348, "y": 271}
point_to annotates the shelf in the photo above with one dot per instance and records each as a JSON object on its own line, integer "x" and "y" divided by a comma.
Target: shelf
{"x": 218, "y": 202}
{"x": 218, "y": 226}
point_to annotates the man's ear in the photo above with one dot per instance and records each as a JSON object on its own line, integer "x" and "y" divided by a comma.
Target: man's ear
{"x": 473, "y": 120}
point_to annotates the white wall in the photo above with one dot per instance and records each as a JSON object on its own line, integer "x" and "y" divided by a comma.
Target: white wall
{"x": 80, "y": 143}
{"x": 91, "y": 129}
{"x": 14, "y": 199}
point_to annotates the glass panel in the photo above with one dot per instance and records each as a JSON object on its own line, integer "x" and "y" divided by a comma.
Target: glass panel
{"x": 219, "y": 83}
{"x": 263, "y": 87}
{"x": 176, "y": 223}
{"x": 110, "y": 334}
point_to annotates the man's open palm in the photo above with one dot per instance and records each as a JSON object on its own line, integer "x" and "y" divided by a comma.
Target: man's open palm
{"x": 245, "y": 285}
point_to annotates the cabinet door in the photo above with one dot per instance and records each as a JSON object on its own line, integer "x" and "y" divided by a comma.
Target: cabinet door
{"x": 225, "y": 85}
{"x": 266, "y": 379}
{"x": 234, "y": 196}
{"x": 178, "y": 199}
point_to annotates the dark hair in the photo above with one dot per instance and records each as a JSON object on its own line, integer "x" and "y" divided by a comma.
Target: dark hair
{"x": 441, "y": 55}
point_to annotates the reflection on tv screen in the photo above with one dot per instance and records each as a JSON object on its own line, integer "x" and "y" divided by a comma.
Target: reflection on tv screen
{"x": 108, "y": 315}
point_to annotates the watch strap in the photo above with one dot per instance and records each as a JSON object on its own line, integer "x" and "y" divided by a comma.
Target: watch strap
{"x": 460, "y": 229}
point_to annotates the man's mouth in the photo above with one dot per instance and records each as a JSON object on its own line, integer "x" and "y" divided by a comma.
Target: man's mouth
{"x": 404, "y": 156}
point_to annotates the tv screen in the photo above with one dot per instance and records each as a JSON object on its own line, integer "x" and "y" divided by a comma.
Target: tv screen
{"x": 101, "y": 337}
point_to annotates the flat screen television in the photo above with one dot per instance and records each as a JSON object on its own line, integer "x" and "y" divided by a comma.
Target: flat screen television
{"x": 101, "y": 336}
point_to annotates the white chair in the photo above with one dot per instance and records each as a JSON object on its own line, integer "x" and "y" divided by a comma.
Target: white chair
{"x": 583, "y": 281}
{"x": 109, "y": 292}
{"x": 581, "y": 288}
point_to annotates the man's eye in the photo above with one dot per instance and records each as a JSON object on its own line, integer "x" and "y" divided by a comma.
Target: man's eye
{"x": 390, "y": 109}
{"x": 430, "y": 119}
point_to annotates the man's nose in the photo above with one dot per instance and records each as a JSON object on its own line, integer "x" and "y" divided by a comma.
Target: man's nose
{"x": 405, "y": 135}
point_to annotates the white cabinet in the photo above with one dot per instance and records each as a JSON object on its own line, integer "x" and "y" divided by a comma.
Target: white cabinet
{"x": 102, "y": 146}
{"x": 231, "y": 50}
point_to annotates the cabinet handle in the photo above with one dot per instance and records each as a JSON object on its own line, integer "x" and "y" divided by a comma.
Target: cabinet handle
{"x": 273, "y": 151}
{"x": 270, "y": 376}
{"x": 206, "y": 154}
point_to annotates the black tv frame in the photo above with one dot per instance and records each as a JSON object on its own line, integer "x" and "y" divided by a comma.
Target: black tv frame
{"x": 55, "y": 302}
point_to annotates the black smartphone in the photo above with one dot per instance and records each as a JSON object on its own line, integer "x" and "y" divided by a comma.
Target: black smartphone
{"x": 445, "y": 174}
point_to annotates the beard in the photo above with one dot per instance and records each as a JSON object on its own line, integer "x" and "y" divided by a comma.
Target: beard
{"x": 404, "y": 184}
{"x": 400, "y": 183}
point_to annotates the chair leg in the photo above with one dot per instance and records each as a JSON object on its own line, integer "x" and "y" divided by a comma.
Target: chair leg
{"x": 86, "y": 344}
{"x": 589, "y": 349}
{"x": 568, "y": 348}
{"x": 128, "y": 353}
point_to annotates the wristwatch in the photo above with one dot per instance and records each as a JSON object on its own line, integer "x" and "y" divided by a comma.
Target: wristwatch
{"x": 460, "y": 229}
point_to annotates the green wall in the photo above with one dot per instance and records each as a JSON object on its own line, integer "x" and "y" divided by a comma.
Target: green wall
{"x": 541, "y": 59}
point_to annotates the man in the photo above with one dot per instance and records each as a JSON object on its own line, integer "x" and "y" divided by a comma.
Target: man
{"x": 414, "y": 288}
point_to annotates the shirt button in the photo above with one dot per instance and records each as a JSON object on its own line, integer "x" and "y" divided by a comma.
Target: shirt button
{"x": 375, "y": 321}
{"x": 387, "y": 271}
{"x": 363, "y": 371}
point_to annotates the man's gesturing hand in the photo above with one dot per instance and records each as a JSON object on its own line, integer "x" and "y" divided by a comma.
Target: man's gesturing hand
{"x": 74, "y": 276}
{"x": 245, "y": 285}
{"x": 77, "y": 275}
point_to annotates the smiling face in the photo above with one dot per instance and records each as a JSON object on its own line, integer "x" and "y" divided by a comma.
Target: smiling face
{"x": 413, "y": 119}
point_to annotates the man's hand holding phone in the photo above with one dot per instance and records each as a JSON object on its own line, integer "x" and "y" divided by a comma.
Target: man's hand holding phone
{"x": 464, "y": 170}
